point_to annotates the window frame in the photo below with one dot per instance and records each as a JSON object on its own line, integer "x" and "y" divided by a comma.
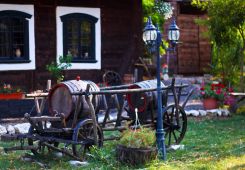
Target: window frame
{"x": 24, "y": 63}
{"x": 25, "y": 17}
{"x": 89, "y": 14}
{"x": 80, "y": 17}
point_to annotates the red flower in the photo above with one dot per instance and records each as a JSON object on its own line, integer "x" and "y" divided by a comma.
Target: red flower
{"x": 218, "y": 91}
{"x": 221, "y": 85}
{"x": 230, "y": 90}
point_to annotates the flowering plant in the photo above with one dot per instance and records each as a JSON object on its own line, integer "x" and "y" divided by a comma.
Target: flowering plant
{"x": 164, "y": 8}
{"x": 215, "y": 90}
{"x": 8, "y": 89}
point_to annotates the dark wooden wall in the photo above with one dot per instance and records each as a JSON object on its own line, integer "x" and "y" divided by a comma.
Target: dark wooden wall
{"x": 121, "y": 30}
{"x": 193, "y": 54}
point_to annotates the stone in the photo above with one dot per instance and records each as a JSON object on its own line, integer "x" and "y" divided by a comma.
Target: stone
{"x": 3, "y": 130}
{"x": 202, "y": 112}
{"x": 58, "y": 154}
{"x": 214, "y": 111}
{"x": 225, "y": 112}
{"x": 177, "y": 147}
{"x": 21, "y": 128}
{"x": 193, "y": 112}
{"x": 78, "y": 163}
{"x": 10, "y": 129}
{"x": 187, "y": 112}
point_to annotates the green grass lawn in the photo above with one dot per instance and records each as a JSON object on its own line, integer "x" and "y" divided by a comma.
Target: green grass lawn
{"x": 210, "y": 143}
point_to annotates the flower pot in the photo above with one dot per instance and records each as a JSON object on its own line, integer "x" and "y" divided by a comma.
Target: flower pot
{"x": 210, "y": 103}
{"x": 11, "y": 96}
{"x": 135, "y": 156}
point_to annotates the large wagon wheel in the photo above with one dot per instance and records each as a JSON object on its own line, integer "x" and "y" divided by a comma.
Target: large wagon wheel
{"x": 42, "y": 149}
{"x": 174, "y": 125}
{"x": 83, "y": 132}
{"x": 112, "y": 78}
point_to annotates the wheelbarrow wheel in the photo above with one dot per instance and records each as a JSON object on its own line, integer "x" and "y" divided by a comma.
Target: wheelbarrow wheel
{"x": 41, "y": 149}
{"x": 112, "y": 78}
{"x": 174, "y": 124}
{"x": 84, "y": 133}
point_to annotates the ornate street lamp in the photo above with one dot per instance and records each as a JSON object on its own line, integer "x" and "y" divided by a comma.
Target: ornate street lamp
{"x": 173, "y": 33}
{"x": 173, "y": 37}
{"x": 149, "y": 33}
{"x": 153, "y": 37}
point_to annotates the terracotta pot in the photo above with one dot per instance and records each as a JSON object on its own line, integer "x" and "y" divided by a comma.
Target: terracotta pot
{"x": 210, "y": 103}
{"x": 11, "y": 96}
{"x": 135, "y": 156}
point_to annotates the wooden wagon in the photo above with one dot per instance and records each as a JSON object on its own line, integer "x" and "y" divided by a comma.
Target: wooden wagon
{"x": 75, "y": 108}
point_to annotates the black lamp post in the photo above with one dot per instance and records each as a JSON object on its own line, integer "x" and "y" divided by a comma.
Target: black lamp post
{"x": 152, "y": 37}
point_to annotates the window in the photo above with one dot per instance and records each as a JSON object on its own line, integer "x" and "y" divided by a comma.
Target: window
{"x": 187, "y": 8}
{"x": 78, "y": 35}
{"x": 17, "y": 41}
{"x": 14, "y": 36}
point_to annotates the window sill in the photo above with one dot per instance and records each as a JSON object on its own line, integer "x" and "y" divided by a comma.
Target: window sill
{"x": 84, "y": 61}
{"x": 14, "y": 61}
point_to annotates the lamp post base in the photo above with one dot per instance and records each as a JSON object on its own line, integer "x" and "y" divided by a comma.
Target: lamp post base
{"x": 161, "y": 144}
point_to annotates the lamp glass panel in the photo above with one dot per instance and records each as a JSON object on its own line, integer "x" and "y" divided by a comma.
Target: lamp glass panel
{"x": 150, "y": 35}
{"x": 173, "y": 35}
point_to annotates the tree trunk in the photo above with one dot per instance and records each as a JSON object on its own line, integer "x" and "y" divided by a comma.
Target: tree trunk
{"x": 242, "y": 60}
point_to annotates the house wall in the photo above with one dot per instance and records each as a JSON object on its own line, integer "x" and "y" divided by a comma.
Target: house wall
{"x": 193, "y": 55}
{"x": 121, "y": 30}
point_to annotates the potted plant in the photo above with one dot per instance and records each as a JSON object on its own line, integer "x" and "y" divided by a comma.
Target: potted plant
{"x": 213, "y": 94}
{"x": 9, "y": 92}
{"x": 56, "y": 69}
{"x": 137, "y": 146}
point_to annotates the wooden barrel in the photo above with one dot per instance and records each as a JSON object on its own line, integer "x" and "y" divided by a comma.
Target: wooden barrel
{"x": 61, "y": 101}
{"x": 144, "y": 99}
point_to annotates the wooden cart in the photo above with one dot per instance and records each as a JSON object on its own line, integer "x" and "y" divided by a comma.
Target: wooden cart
{"x": 73, "y": 125}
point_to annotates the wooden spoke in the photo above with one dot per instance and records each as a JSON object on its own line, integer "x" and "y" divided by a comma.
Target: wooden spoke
{"x": 175, "y": 136}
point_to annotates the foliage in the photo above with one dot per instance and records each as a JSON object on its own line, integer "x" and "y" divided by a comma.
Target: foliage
{"x": 140, "y": 138}
{"x": 215, "y": 90}
{"x": 226, "y": 28}
{"x": 56, "y": 68}
{"x": 158, "y": 10}
{"x": 7, "y": 89}
{"x": 225, "y": 63}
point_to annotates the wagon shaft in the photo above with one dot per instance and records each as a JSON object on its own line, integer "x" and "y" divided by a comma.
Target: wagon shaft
{"x": 46, "y": 118}
{"x": 15, "y": 148}
{"x": 46, "y": 141}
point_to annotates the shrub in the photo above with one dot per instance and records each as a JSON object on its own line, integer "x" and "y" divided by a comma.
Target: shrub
{"x": 140, "y": 138}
